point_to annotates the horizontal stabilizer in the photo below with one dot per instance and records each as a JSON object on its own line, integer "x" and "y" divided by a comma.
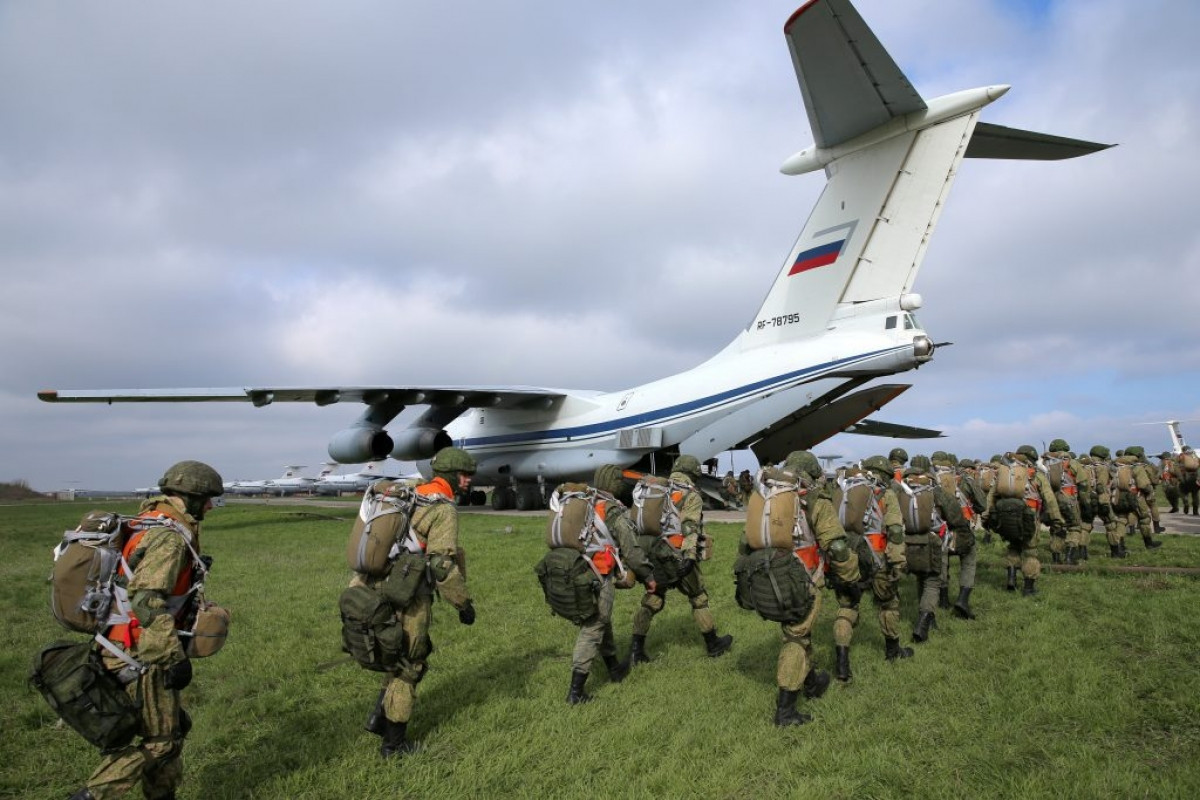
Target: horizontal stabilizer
{"x": 871, "y": 427}
{"x": 997, "y": 141}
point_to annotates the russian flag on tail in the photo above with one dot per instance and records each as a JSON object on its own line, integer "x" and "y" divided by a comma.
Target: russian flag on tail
{"x": 819, "y": 256}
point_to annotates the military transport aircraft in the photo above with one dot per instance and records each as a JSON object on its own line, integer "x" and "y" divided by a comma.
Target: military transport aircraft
{"x": 839, "y": 315}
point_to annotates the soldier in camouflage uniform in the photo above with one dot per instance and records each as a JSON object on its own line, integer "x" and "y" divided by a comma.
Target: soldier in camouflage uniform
{"x": 1097, "y": 500}
{"x": 166, "y": 568}
{"x": 885, "y": 582}
{"x": 1169, "y": 468}
{"x": 960, "y": 542}
{"x": 596, "y": 634}
{"x": 1066, "y": 494}
{"x": 1136, "y": 508}
{"x": 435, "y": 525}
{"x": 684, "y": 472}
{"x": 1022, "y": 552}
{"x": 794, "y": 673}
{"x": 1155, "y": 478}
{"x": 898, "y": 458}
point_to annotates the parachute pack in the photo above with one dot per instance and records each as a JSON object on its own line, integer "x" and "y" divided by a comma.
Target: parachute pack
{"x": 655, "y": 508}
{"x": 1012, "y": 480}
{"x": 1123, "y": 494}
{"x": 773, "y": 583}
{"x": 85, "y": 695}
{"x": 1189, "y": 462}
{"x": 776, "y": 518}
{"x": 381, "y": 529}
{"x": 581, "y": 552}
{"x": 861, "y": 516}
{"x": 371, "y": 632}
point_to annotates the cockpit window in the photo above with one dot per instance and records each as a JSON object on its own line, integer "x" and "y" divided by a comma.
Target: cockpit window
{"x": 889, "y": 323}
{"x": 910, "y": 322}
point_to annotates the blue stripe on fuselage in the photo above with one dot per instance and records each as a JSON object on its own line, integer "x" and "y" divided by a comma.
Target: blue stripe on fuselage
{"x": 666, "y": 413}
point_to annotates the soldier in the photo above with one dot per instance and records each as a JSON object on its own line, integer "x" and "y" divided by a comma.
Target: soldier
{"x": 1133, "y": 492}
{"x": 898, "y": 458}
{"x": 1020, "y": 495}
{"x": 435, "y": 526}
{"x": 1097, "y": 500}
{"x": 730, "y": 491}
{"x": 1155, "y": 479}
{"x": 745, "y": 485}
{"x": 819, "y": 528}
{"x": 1169, "y": 468}
{"x": 1063, "y": 470}
{"x": 684, "y": 558}
{"x": 1189, "y": 487}
{"x": 888, "y": 561}
{"x": 958, "y": 483}
{"x": 167, "y": 568}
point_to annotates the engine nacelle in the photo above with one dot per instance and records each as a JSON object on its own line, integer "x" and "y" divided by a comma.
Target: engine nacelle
{"x": 359, "y": 444}
{"x": 418, "y": 444}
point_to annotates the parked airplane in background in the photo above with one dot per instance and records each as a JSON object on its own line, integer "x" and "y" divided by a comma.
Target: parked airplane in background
{"x": 839, "y": 315}
{"x": 1177, "y": 442}
{"x": 291, "y": 482}
{"x": 329, "y": 483}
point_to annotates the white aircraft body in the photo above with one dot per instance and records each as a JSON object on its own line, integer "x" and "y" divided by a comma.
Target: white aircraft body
{"x": 839, "y": 314}
{"x": 330, "y": 483}
{"x": 291, "y": 482}
{"x": 1177, "y": 442}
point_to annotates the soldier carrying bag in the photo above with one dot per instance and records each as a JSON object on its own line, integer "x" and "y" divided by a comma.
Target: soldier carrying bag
{"x": 371, "y": 631}
{"x": 773, "y": 583}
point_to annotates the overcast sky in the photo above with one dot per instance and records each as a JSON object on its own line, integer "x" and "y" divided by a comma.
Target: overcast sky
{"x": 554, "y": 193}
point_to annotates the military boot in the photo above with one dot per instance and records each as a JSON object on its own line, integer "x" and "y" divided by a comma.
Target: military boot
{"x": 637, "y": 650}
{"x": 1083, "y": 553}
{"x": 82, "y": 794}
{"x": 577, "y": 695}
{"x": 843, "y": 663}
{"x": 962, "y": 606}
{"x": 1055, "y": 558}
{"x": 1011, "y": 586}
{"x": 1114, "y": 551}
{"x": 892, "y": 649}
{"x": 815, "y": 683}
{"x": 717, "y": 645}
{"x": 376, "y": 720}
{"x": 1158, "y": 528}
{"x": 1029, "y": 588}
{"x": 394, "y": 741}
{"x": 944, "y": 597}
{"x": 1071, "y": 551}
{"x": 924, "y": 620}
{"x": 1121, "y": 549}
{"x": 785, "y": 710}
{"x": 1150, "y": 543}
{"x": 617, "y": 670}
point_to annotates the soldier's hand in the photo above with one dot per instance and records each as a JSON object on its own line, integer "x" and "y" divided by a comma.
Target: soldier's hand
{"x": 651, "y": 585}
{"x": 178, "y": 675}
{"x": 466, "y": 614}
{"x": 853, "y": 590}
{"x": 686, "y": 567}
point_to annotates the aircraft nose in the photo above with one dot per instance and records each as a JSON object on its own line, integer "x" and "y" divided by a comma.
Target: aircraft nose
{"x": 998, "y": 91}
{"x": 923, "y": 348}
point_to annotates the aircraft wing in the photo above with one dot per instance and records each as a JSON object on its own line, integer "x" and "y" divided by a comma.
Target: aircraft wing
{"x": 439, "y": 396}
{"x": 849, "y": 81}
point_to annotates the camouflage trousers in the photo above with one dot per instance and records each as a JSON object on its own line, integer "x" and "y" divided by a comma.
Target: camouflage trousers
{"x": 400, "y": 685}
{"x": 1072, "y": 534}
{"x": 795, "y": 655}
{"x": 885, "y": 590}
{"x": 596, "y": 634}
{"x": 692, "y": 587}
{"x": 1024, "y": 555}
{"x": 966, "y": 568}
{"x": 1093, "y": 507}
{"x": 156, "y": 760}
{"x": 1138, "y": 519}
{"x": 929, "y": 587}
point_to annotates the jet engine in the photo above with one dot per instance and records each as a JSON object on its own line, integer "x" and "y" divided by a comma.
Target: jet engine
{"x": 418, "y": 444}
{"x": 359, "y": 444}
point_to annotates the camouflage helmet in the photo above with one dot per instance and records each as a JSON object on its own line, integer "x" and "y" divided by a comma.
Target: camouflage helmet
{"x": 953, "y": 459}
{"x": 878, "y": 464}
{"x": 803, "y": 461}
{"x": 451, "y": 460}
{"x": 688, "y": 465}
{"x": 898, "y": 454}
{"x": 1027, "y": 451}
{"x": 921, "y": 462}
{"x": 1059, "y": 446}
{"x": 192, "y": 477}
{"x": 1187, "y": 448}
{"x": 1136, "y": 450}
{"x": 608, "y": 479}
{"x": 939, "y": 455}
{"x": 967, "y": 463}
{"x": 996, "y": 458}
{"x": 1098, "y": 451}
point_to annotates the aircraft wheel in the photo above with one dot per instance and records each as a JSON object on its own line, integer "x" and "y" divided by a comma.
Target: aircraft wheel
{"x": 527, "y": 498}
{"x": 478, "y": 497}
{"x": 502, "y": 499}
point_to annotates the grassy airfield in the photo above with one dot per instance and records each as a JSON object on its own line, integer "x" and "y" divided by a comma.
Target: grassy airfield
{"x": 1089, "y": 690}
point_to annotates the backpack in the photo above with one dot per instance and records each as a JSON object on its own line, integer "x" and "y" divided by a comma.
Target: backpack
{"x": 85, "y": 695}
{"x": 1014, "y": 520}
{"x": 371, "y": 632}
{"x": 655, "y": 510}
{"x": 861, "y": 516}
{"x": 569, "y": 583}
{"x": 1190, "y": 462}
{"x": 773, "y": 583}
{"x": 1055, "y": 468}
{"x": 382, "y": 523}
{"x": 920, "y": 512}
{"x": 1124, "y": 489}
{"x": 987, "y": 477}
{"x": 1012, "y": 480}
{"x": 776, "y": 518}
{"x": 85, "y": 591}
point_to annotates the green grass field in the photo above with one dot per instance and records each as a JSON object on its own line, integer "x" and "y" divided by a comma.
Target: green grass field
{"x": 1088, "y": 690}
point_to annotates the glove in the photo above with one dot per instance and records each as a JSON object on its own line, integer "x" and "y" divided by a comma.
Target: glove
{"x": 179, "y": 675}
{"x": 686, "y": 567}
{"x": 466, "y": 614}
